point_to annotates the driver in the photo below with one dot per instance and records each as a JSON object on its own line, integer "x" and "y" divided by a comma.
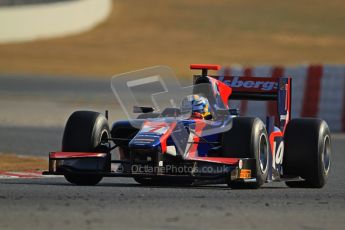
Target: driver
{"x": 196, "y": 107}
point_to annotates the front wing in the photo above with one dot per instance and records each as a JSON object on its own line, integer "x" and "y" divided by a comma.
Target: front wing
{"x": 208, "y": 168}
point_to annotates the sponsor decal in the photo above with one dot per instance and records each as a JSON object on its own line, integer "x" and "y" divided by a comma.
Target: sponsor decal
{"x": 173, "y": 169}
{"x": 145, "y": 140}
{"x": 279, "y": 153}
{"x": 250, "y": 83}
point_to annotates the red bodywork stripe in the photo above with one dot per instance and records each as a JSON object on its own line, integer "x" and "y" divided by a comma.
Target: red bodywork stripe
{"x": 199, "y": 125}
{"x": 224, "y": 91}
{"x": 165, "y": 136}
{"x": 312, "y": 91}
{"x": 272, "y": 136}
{"x": 158, "y": 125}
{"x": 221, "y": 160}
{"x": 58, "y": 155}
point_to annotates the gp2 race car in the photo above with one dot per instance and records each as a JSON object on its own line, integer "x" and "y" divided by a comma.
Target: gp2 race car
{"x": 168, "y": 148}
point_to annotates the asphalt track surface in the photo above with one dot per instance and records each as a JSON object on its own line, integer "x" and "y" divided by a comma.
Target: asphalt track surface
{"x": 34, "y": 109}
{"x": 52, "y": 203}
{"x": 122, "y": 204}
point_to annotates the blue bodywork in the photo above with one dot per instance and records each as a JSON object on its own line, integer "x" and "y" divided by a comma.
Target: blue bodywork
{"x": 181, "y": 132}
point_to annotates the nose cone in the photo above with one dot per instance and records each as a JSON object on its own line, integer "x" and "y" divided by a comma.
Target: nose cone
{"x": 142, "y": 141}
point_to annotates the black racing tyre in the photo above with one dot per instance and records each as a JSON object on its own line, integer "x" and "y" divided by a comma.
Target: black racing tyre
{"x": 148, "y": 115}
{"x": 307, "y": 152}
{"x": 248, "y": 139}
{"x": 84, "y": 132}
{"x": 82, "y": 179}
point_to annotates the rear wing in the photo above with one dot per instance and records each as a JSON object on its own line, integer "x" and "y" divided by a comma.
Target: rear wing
{"x": 248, "y": 88}
{"x": 262, "y": 89}
{"x": 254, "y": 88}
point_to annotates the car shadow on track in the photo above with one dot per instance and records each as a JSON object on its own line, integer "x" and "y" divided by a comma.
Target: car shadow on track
{"x": 35, "y": 182}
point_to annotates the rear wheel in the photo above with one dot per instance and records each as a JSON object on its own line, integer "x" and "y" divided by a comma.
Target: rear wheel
{"x": 307, "y": 152}
{"x": 85, "y": 131}
{"x": 248, "y": 139}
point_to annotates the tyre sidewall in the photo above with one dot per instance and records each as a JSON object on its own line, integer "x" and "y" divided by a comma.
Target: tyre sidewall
{"x": 83, "y": 132}
{"x": 100, "y": 130}
{"x": 320, "y": 175}
{"x": 259, "y": 131}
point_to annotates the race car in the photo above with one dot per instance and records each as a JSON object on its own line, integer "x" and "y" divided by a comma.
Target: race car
{"x": 203, "y": 141}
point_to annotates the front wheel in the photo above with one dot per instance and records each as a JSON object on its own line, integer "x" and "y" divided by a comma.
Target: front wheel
{"x": 85, "y": 131}
{"x": 82, "y": 179}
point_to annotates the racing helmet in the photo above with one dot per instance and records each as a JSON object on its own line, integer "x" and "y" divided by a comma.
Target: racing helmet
{"x": 196, "y": 106}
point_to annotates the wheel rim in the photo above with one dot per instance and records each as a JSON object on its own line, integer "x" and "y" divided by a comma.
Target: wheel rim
{"x": 103, "y": 141}
{"x": 104, "y": 136}
{"x": 326, "y": 161}
{"x": 263, "y": 153}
